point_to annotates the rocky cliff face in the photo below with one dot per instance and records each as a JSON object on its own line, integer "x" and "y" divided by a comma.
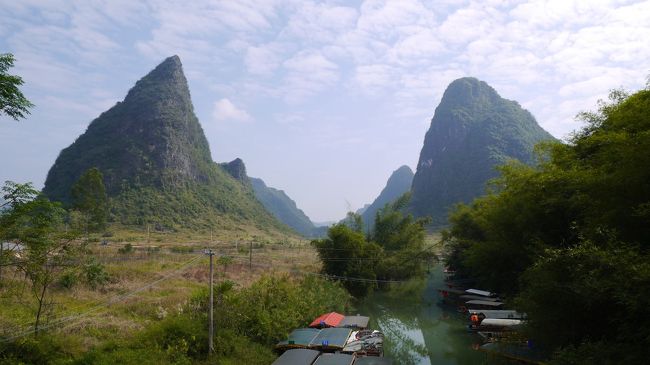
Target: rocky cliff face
{"x": 398, "y": 183}
{"x": 156, "y": 160}
{"x": 472, "y": 131}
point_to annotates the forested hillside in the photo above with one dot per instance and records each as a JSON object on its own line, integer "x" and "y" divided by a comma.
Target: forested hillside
{"x": 568, "y": 239}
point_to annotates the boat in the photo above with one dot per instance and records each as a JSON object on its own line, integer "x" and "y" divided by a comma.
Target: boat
{"x": 297, "y": 357}
{"x": 468, "y": 297}
{"x": 481, "y": 314}
{"x": 365, "y": 342}
{"x": 298, "y": 338}
{"x": 480, "y": 304}
{"x": 334, "y": 359}
{"x": 358, "y": 322}
{"x": 482, "y": 293}
{"x": 331, "y": 319}
{"x": 496, "y": 324}
{"x": 331, "y": 339}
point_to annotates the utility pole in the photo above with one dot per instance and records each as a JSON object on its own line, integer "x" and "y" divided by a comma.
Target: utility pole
{"x": 210, "y": 253}
{"x": 250, "y": 257}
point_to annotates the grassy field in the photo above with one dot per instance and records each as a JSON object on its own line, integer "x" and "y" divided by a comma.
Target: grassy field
{"x": 150, "y": 276}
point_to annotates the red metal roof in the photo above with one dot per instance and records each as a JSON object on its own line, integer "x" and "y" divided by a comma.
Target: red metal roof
{"x": 327, "y": 320}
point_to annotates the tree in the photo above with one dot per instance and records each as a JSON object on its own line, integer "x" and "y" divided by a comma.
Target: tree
{"x": 12, "y": 101}
{"x": 393, "y": 251}
{"x": 14, "y": 196}
{"x": 47, "y": 251}
{"x": 89, "y": 197}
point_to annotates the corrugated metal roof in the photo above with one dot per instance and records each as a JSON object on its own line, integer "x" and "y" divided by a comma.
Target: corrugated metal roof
{"x": 297, "y": 357}
{"x": 482, "y": 293}
{"x": 334, "y": 359}
{"x": 355, "y": 322}
{"x": 331, "y": 338}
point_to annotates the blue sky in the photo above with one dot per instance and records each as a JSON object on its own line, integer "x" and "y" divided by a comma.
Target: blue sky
{"x": 321, "y": 99}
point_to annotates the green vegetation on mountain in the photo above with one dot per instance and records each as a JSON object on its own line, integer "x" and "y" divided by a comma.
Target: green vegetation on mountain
{"x": 156, "y": 162}
{"x": 568, "y": 238}
{"x": 398, "y": 183}
{"x": 90, "y": 199}
{"x": 472, "y": 131}
{"x": 283, "y": 208}
{"x": 12, "y": 101}
{"x": 393, "y": 251}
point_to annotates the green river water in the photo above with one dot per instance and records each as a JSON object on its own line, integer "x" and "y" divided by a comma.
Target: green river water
{"x": 419, "y": 331}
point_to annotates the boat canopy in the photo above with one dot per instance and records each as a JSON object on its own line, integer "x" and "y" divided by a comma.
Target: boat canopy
{"x": 297, "y": 357}
{"x": 331, "y": 338}
{"x": 334, "y": 359}
{"x": 478, "y": 297}
{"x": 373, "y": 360}
{"x": 299, "y": 338}
{"x": 496, "y": 313}
{"x": 357, "y": 321}
{"x": 482, "y": 293}
{"x": 331, "y": 319}
{"x": 451, "y": 291}
{"x": 501, "y": 322}
{"x": 486, "y": 303}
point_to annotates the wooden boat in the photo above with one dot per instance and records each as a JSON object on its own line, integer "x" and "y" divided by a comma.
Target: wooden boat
{"x": 482, "y": 314}
{"x": 496, "y": 325}
{"x": 483, "y": 304}
{"x": 482, "y": 293}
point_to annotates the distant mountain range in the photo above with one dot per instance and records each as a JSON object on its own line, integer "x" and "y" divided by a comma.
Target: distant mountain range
{"x": 157, "y": 164}
{"x": 398, "y": 183}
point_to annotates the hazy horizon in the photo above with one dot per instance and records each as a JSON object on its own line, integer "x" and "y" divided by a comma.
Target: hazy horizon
{"x": 320, "y": 99}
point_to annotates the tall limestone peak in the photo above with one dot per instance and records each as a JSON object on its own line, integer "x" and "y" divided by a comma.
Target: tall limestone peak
{"x": 398, "y": 183}
{"x": 472, "y": 131}
{"x": 156, "y": 161}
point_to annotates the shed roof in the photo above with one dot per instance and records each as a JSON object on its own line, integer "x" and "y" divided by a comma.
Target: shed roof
{"x": 355, "y": 322}
{"x": 297, "y": 357}
{"x": 484, "y": 302}
{"x": 334, "y": 359}
{"x": 331, "y": 338}
{"x": 331, "y": 319}
{"x": 478, "y": 297}
{"x": 482, "y": 293}
{"x": 300, "y": 337}
{"x": 373, "y": 360}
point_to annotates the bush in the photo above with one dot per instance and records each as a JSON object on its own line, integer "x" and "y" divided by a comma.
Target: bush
{"x": 128, "y": 248}
{"x": 96, "y": 275}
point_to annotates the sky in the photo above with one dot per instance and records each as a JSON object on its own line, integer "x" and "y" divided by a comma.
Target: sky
{"x": 322, "y": 99}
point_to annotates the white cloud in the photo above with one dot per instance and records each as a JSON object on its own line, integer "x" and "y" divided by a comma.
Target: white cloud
{"x": 308, "y": 72}
{"x": 225, "y": 110}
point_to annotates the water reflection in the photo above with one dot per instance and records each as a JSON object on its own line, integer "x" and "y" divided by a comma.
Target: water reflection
{"x": 418, "y": 331}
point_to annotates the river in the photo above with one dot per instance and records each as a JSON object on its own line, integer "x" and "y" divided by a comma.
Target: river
{"x": 419, "y": 332}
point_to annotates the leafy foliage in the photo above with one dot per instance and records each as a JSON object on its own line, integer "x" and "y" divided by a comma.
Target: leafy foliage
{"x": 568, "y": 238}
{"x": 394, "y": 250}
{"x": 89, "y": 197}
{"x": 12, "y": 101}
